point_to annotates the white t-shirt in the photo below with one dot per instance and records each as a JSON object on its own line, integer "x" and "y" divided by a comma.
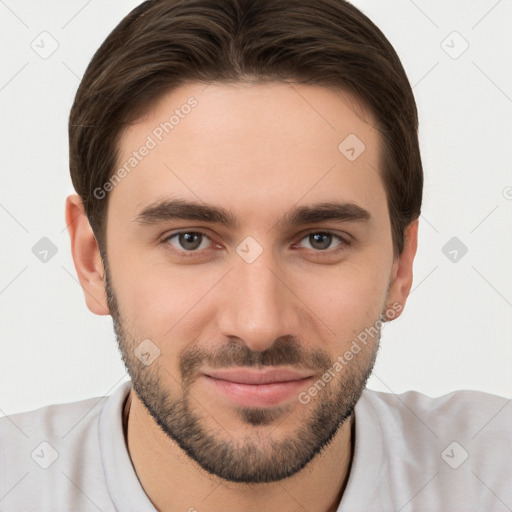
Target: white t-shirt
{"x": 412, "y": 453}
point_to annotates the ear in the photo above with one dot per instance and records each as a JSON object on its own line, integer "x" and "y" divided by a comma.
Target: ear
{"x": 401, "y": 274}
{"x": 86, "y": 255}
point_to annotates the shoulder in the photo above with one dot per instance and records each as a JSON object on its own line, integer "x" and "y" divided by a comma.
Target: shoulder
{"x": 459, "y": 446}
{"x": 50, "y": 458}
{"x": 44, "y": 435}
{"x": 472, "y": 404}
{"x": 53, "y": 420}
{"x": 469, "y": 413}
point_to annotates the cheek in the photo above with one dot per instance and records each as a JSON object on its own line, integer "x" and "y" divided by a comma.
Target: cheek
{"x": 162, "y": 302}
{"x": 350, "y": 299}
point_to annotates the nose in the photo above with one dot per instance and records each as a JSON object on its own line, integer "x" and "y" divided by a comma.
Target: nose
{"x": 257, "y": 305}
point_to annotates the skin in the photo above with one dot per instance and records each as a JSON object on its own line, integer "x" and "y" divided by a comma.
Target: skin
{"x": 257, "y": 150}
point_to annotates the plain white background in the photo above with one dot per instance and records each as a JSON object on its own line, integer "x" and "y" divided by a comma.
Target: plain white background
{"x": 455, "y": 332}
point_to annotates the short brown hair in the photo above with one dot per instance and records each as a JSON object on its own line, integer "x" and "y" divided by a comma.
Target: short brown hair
{"x": 163, "y": 44}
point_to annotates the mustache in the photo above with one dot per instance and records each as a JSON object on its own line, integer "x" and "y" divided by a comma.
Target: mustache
{"x": 285, "y": 351}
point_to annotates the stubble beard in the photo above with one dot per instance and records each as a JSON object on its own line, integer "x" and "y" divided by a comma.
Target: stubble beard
{"x": 254, "y": 458}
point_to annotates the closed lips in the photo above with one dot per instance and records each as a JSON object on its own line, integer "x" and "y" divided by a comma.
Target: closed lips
{"x": 255, "y": 377}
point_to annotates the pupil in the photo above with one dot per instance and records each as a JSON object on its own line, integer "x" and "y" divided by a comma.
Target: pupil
{"x": 190, "y": 240}
{"x": 323, "y": 239}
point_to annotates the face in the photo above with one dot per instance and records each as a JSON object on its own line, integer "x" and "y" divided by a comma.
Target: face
{"x": 249, "y": 253}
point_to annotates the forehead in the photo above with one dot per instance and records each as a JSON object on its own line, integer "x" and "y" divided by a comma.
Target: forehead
{"x": 255, "y": 146}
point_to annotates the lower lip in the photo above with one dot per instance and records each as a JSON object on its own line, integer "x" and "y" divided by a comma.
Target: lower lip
{"x": 258, "y": 395}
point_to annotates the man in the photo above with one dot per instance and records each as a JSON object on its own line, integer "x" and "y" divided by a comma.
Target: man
{"x": 248, "y": 186}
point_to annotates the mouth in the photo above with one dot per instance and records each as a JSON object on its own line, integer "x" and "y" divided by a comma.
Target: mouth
{"x": 259, "y": 388}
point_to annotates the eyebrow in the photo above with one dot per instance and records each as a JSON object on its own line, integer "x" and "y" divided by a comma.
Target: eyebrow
{"x": 190, "y": 210}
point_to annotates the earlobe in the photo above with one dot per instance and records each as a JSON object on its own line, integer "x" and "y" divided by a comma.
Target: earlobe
{"x": 402, "y": 274}
{"x": 86, "y": 256}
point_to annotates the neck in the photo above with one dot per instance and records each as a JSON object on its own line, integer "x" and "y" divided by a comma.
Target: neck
{"x": 173, "y": 481}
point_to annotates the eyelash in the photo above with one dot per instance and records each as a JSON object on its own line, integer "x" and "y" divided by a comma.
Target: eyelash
{"x": 344, "y": 243}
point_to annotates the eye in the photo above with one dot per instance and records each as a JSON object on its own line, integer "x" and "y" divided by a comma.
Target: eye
{"x": 322, "y": 240}
{"x": 188, "y": 241}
